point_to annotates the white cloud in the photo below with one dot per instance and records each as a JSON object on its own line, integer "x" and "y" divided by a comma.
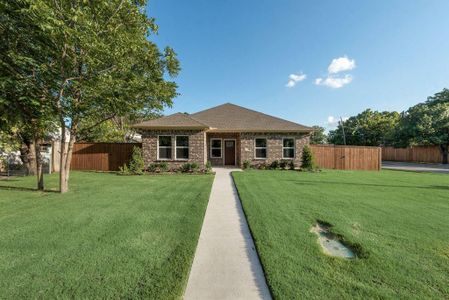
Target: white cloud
{"x": 341, "y": 64}
{"x": 333, "y": 121}
{"x": 293, "y": 79}
{"x": 334, "y": 82}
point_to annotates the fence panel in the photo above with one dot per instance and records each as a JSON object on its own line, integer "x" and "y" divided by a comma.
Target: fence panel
{"x": 347, "y": 157}
{"x": 101, "y": 156}
{"x": 425, "y": 154}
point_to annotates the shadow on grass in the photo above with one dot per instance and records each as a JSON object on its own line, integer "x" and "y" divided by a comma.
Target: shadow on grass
{"x": 431, "y": 187}
{"x": 19, "y": 188}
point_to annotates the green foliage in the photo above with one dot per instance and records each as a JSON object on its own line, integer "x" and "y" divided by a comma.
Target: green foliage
{"x": 307, "y": 159}
{"x": 189, "y": 167}
{"x": 208, "y": 167}
{"x": 158, "y": 167}
{"x": 369, "y": 128}
{"x": 124, "y": 170}
{"x": 318, "y": 136}
{"x": 136, "y": 164}
{"x": 246, "y": 164}
{"x": 427, "y": 124}
{"x": 291, "y": 165}
{"x": 274, "y": 165}
{"x": 283, "y": 164}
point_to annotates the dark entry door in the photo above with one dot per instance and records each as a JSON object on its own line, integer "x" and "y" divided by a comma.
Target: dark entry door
{"x": 229, "y": 152}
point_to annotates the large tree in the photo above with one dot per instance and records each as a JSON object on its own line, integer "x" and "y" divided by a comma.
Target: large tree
{"x": 103, "y": 64}
{"x": 26, "y": 83}
{"x": 427, "y": 124}
{"x": 369, "y": 128}
{"x": 318, "y": 135}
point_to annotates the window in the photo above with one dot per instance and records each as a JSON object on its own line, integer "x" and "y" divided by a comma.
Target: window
{"x": 215, "y": 148}
{"x": 164, "y": 147}
{"x": 260, "y": 148}
{"x": 182, "y": 147}
{"x": 288, "y": 148}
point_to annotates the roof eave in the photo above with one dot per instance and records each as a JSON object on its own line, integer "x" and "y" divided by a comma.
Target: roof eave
{"x": 260, "y": 130}
{"x": 169, "y": 127}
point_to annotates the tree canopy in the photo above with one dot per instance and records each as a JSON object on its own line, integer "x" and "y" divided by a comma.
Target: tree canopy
{"x": 318, "y": 136}
{"x": 369, "y": 128}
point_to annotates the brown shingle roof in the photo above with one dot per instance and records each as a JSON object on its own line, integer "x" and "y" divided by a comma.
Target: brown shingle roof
{"x": 231, "y": 117}
{"x": 178, "y": 120}
{"x": 225, "y": 118}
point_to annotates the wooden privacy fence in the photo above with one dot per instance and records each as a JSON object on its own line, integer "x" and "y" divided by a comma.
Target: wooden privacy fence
{"x": 347, "y": 157}
{"x": 101, "y": 156}
{"x": 429, "y": 154}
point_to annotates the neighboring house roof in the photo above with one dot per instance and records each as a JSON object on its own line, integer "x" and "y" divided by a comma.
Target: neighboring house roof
{"x": 226, "y": 118}
{"x": 175, "y": 121}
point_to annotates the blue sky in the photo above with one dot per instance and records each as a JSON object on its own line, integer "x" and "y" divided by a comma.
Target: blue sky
{"x": 393, "y": 54}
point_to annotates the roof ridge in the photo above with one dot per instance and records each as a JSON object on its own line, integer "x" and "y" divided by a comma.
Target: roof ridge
{"x": 196, "y": 120}
{"x": 251, "y": 110}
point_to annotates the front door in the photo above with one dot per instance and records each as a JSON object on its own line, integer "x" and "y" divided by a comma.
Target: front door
{"x": 229, "y": 152}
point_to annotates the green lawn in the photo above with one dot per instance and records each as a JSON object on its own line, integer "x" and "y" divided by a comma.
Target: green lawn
{"x": 109, "y": 237}
{"x": 400, "y": 219}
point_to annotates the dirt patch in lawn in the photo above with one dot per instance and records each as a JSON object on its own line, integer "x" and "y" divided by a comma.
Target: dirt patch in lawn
{"x": 332, "y": 244}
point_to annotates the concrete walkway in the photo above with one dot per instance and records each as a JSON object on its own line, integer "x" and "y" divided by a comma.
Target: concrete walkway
{"x": 415, "y": 167}
{"x": 226, "y": 265}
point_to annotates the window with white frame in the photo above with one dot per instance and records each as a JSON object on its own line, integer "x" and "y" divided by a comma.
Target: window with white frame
{"x": 215, "y": 148}
{"x": 182, "y": 147}
{"x": 288, "y": 148}
{"x": 164, "y": 147}
{"x": 260, "y": 148}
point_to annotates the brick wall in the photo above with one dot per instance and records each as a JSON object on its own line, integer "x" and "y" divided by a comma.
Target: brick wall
{"x": 274, "y": 146}
{"x": 196, "y": 147}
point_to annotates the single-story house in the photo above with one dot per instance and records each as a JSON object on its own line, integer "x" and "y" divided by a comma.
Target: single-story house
{"x": 224, "y": 135}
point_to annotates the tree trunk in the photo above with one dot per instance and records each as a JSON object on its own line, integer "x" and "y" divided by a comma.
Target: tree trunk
{"x": 39, "y": 169}
{"x": 28, "y": 157}
{"x": 66, "y": 159}
{"x": 444, "y": 152}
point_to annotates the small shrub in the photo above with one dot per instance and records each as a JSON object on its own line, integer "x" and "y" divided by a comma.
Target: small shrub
{"x": 307, "y": 159}
{"x": 283, "y": 164}
{"x": 189, "y": 167}
{"x": 124, "y": 170}
{"x": 153, "y": 167}
{"x": 262, "y": 166}
{"x": 274, "y": 165}
{"x": 291, "y": 165}
{"x": 246, "y": 164}
{"x": 208, "y": 168}
{"x": 136, "y": 164}
{"x": 163, "y": 166}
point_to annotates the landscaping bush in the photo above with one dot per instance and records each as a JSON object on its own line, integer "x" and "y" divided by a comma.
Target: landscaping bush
{"x": 136, "y": 164}
{"x": 307, "y": 159}
{"x": 189, "y": 167}
{"x": 208, "y": 168}
{"x": 124, "y": 170}
{"x": 246, "y": 164}
{"x": 291, "y": 165}
{"x": 163, "y": 166}
{"x": 274, "y": 165}
{"x": 283, "y": 164}
{"x": 262, "y": 166}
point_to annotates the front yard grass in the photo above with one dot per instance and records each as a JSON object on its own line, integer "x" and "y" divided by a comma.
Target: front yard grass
{"x": 400, "y": 219}
{"x": 110, "y": 237}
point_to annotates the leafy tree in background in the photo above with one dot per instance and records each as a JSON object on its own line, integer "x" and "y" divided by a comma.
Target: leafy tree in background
{"x": 318, "y": 136}
{"x": 427, "y": 124}
{"x": 98, "y": 63}
{"x": 369, "y": 128}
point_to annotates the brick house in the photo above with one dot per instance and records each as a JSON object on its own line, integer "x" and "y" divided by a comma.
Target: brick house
{"x": 224, "y": 135}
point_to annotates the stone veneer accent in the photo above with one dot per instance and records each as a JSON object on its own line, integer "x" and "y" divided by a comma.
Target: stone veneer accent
{"x": 274, "y": 146}
{"x": 197, "y": 146}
